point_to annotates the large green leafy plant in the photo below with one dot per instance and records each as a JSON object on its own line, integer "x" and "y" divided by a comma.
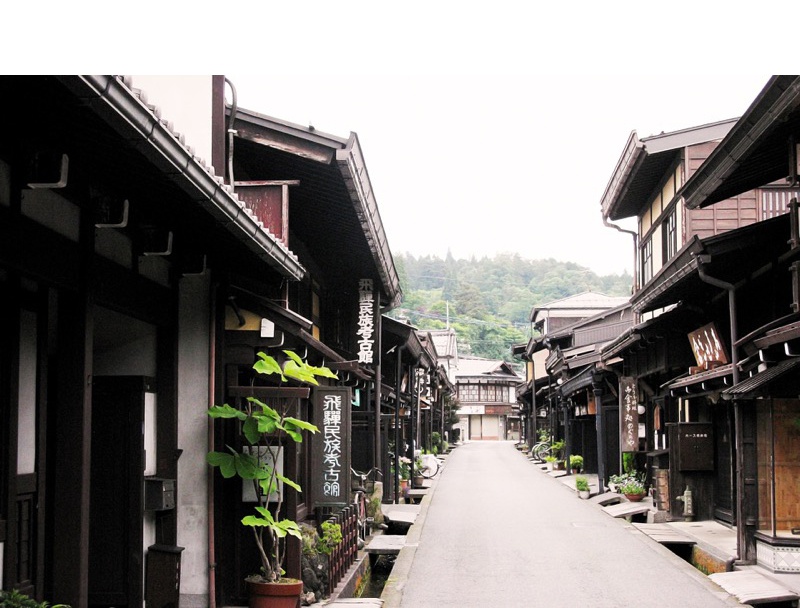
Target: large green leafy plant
{"x": 265, "y": 428}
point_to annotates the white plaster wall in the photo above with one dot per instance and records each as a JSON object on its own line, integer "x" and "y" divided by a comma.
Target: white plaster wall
{"x": 26, "y": 425}
{"x": 193, "y": 401}
{"x": 186, "y": 102}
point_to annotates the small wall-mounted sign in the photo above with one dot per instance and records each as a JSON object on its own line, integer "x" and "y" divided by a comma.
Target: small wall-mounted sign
{"x": 708, "y": 347}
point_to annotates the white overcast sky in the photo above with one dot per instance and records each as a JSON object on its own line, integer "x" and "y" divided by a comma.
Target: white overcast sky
{"x": 481, "y": 164}
{"x": 487, "y": 127}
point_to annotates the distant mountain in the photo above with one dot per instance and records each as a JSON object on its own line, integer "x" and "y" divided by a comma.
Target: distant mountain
{"x": 488, "y": 300}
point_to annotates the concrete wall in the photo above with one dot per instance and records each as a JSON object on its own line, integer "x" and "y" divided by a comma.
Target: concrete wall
{"x": 193, "y": 401}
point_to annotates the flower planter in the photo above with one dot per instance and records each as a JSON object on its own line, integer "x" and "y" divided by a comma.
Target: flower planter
{"x": 634, "y": 497}
{"x": 284, "y": 594}
{"x": 584, "y": 494}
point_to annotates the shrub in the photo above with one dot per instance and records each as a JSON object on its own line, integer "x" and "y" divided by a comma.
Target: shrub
{"x": 581, "y": 483}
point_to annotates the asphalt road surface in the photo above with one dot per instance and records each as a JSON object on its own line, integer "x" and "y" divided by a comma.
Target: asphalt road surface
{"x": 500, "y": 532}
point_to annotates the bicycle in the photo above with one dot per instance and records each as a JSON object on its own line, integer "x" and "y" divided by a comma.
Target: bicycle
{"x": 431, "y": 465}
{"x": 540, "y": 450}
{"x": 364, "y": 484}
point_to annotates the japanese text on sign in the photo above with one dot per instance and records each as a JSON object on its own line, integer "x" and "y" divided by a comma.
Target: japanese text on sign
{"x": 366, "y": 321}
{"x": 332, "y": 445}
{"x": 629, "y": 415}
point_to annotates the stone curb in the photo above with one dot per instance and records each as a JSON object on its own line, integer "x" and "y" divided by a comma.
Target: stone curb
{"x": 392, "y": 593}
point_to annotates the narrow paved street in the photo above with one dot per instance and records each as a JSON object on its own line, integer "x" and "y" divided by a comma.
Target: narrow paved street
{"x": 499, "y": 532}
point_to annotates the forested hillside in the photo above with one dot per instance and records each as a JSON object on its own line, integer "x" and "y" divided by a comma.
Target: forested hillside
{"x": 488, "y": 300}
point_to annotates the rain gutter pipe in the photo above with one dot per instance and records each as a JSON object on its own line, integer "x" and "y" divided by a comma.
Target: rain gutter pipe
{"x": 635, "y": 236}
{"x": 231, "y": 131}
{"x": 741, "y": 538}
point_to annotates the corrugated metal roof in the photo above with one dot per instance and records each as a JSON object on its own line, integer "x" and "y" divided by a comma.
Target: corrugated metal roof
{"x": 753, "y": 386}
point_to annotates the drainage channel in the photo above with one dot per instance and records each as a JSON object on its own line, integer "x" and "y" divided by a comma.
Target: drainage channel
{"x": 378, "y": 575}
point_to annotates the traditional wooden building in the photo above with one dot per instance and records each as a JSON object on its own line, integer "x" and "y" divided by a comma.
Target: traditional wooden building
{"x": 140, "y": 278}
{"x": 570, "y": 395}
{"x": 648, "y": 358}
{"x": 486, "y": 391}
{"x": 760, "y": 284}
{"x": 113, "y": 232}
{"x": 313, "y": 191}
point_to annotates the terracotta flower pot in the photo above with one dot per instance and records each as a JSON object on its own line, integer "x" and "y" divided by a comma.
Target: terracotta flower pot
{"x": 634, "y": 497}
{"x": 285, "y": 594}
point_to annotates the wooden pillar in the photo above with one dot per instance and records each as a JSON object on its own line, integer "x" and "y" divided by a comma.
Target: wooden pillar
{"x": 73, "y": 440}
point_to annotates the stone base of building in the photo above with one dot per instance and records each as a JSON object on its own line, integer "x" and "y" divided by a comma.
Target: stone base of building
{"x": 778, "y": 559}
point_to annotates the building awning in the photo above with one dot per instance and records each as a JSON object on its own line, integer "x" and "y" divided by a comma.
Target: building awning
{"x": 695, "y": 384}
{"x": 576, "y": 383}
{"x": 756, "y": 385}
{"x": 733, "y": 257}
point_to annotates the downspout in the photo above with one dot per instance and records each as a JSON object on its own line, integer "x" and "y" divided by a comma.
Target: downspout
{"x": 741, "y": 534}
{"x": 635, "y": 236}
{"x": 731, "y": 289}
{"x": 231, "y": 131}
{"x": 212, "y": 388}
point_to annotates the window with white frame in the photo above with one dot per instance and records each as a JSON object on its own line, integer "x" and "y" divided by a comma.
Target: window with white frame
{"x": 647, "y": 261}
{"x": 669, "y": 236}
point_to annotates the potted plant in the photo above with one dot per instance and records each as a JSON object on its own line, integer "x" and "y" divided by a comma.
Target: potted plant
{"x": 417, "y": 479}
{"x": 582, "y": 486}
{"x": 632, "y": 487}
{"x": 550, "y": 462}
{"x": 557, "y": 450}
{"x": 576, "y": 463}
{"x": 265, "y": 428}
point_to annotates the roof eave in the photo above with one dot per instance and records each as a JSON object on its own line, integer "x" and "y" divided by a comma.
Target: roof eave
{"x": 354, "y": 171}
{"x": 115, "y": 103}
{"x": 777, "y": 99}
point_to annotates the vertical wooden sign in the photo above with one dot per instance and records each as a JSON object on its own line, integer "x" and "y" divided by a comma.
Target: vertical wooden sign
{"x": 628, "y": 415}
{"x": 330, "y": 464}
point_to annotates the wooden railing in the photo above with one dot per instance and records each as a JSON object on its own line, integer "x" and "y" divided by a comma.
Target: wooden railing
{"x": 345, "y": 553}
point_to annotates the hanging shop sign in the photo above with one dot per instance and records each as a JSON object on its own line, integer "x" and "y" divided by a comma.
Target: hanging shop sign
{"x": 471, "y": 410}
{"x": 331, "y": 452}
{"x": 708, "y": 347}
{"x": 628, "y": 415}
{"x": 366, "y": 321}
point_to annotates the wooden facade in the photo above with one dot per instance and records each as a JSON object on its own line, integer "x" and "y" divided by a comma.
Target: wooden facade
{"x": 137, "y": 287}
